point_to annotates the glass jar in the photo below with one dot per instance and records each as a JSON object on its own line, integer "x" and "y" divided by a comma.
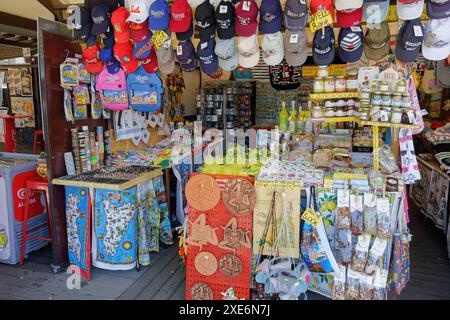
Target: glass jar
{"x": 322, "y": 71}
{"x": 329, "y": 112}
{"x": 317, "y": 112}
{"x": 364, "y": 94}
{"x": 406, "y": 101}
{"x": 376, "y": 98}
{"x": 396, "y": 99}
{"x": 401, "y": 86}
{"x": 351, "y": 83}
{"x": 364, "y": 113}
{"x": 396, "y": 115}
{"x": 329, "y": 85}
{"x": 386, "y": 99}
{"x": 341, "y": 112}
{"x": 340, "y": 84}
{"x": 318, "y": 85}
{"x": 383, "y": 86}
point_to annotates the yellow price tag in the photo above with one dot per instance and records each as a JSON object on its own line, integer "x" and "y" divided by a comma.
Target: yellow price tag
{"x": 319, "y": 20}
{"x": 158, "y": 38}
{"x": 312, "y": 217}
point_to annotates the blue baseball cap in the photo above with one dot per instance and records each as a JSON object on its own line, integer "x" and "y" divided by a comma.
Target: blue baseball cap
{"x": 100, "y": 19}
{"x": 91, "y": 41}
{"x": 323, "y": 47}
{"x": 111, "y": 63}
{"x": 186, "y": 55}
{"x": 209, "y": 62}
{"x": 350, "y": 43}
{"x": 143, "y": 49}
{"x": 271, "y": 16}
{"x": 159, "y": 15}
{"x": 83, "y": 30}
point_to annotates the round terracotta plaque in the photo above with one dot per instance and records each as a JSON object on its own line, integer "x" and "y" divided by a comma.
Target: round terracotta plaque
{"x": 202, "y": 192}
{"x": 230, "y": 265}
{"x": 201, "y": 291}
{"x": 205, "y": 263}
{"x": 239, "y": 196}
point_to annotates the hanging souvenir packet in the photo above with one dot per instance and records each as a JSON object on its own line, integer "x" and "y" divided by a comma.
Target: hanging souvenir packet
{"x": 83, "y": 75}
{"x": 112, "y": 89}
{"x": 361, "y": 254}
{"x": 379, "y": 284}
{"x": 68, "y": 111}
{"x": 339, "y": 281}
{"x": 384, "y": 218}
{"x": 96, "y": 106}
{"x": 353, "y": 284}
{"x": 81, "y": 95}
{"x": 356, "y": 211}
{"x": 376, "y": 251}
{"x": 145, "y": 90}
{"x": 69, "y": 73}
{"x": 343, "y": 235}
{"x": 370, "y": 214}
{"x": 79, "y": 111}
{"x": 365, "y": 287}
{"x": 410, "y": 168}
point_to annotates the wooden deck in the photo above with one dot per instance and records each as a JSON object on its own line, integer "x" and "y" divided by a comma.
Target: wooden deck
{"x": 164, "y": 278}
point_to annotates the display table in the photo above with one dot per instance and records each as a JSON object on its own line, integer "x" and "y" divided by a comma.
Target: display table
{"x": 10, "y": 131}
{"x": 128, "y": 210}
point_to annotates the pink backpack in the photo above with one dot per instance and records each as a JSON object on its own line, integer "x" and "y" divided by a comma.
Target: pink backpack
{"x": 112, "y": 89}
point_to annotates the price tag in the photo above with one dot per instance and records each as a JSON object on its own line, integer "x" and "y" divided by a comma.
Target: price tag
{"x": 293, "y": 38}
{"x": 158, "y": 38}
{"x": 356, "y": 29}
{"x": 179, "y": 50}
{"x": 223, "y": 9}
{"x": 418, "y": 31}
{"x": 246, "y": 6}
{"x": 312, "y": 217}
{"x": 423, "y": 112}
{"x": 203, "y": 45}
{"x": 320, "y": 20}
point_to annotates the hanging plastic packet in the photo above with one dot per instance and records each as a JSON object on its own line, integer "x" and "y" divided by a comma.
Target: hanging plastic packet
{"x": 370, "y": 214}
{"x": 96, "y": 105}
{"x": 68, "y": 71}
{"x": 365, "y": 287}
{"x": 83, "y": 75}
{"x": 379, "y": 284}
{"x": 353, "y": 282}
{"x": 339, "y": 284}
{"x": 68, "y": 112}
{"x": 79, "y": 111}
{"x": 375, "y": 253}
{"x": 356, "y": 210}
{"x": 343, "y": 235}
{"x": 361, "y": 254}
{"x": 81, "y": 95}
{"x": 384, "y": 218}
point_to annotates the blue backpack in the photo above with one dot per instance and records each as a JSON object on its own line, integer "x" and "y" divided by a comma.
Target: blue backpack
{"x": 145, "y": 90}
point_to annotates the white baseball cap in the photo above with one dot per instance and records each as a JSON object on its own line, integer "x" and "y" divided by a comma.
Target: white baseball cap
{"x": 409, "y": 9}
{"x": 273, "y": 48}
{"x": 375, "y": 12}
{"x": 347, "y": 4}
{"x": 227, "y": 54}
{"x": 139, "y": 11}
{"x": 295, "y": 47}
{"x": 195, "y": 3}
{"x": 248, "y": 51}
{"x": 436, "y": 40}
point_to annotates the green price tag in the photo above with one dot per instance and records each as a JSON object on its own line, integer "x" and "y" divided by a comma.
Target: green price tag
{"x": 320, "y": 20}
{"x": 158, "y": 38}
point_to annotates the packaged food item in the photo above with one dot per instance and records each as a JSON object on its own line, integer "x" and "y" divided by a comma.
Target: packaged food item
{"x": 370, "y": 214}
{"x": 383, "y": 86}
{"x": 353, "y": 282}
{"x": 318, "y": 85}
{"x": 339, "y": 280}
{"x": 361, "y": 254}
{"x": 365, "y": 287}
{"x": 384, "y": 229}
{"x": 351, "y": 83}
{"x": 322, "y": 71}
{"x": 379, "y": 284}
{"x": 375, "y": 253}
{"x": 343, "y": 235}
{"x": 356, "y": 209}
{"x": 396, "y": 115}
{"x": 329, "y": 84}
{"x": 340, "y": 84}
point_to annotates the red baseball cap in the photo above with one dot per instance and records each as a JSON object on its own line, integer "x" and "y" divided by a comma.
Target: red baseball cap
{"x": 119, "y": 20}
{"x": 122, "y": 37}
{"x": 91, "y": 59}
{"x": 139, "y": 32}
{"x": 317, "y": 5}
{"x": 124, "y": 53}
{"x": 349, "y": 18}
{"x": 180, "y": 16}
{"x": 150, "y": 64}
{"x": 246, "y": 18}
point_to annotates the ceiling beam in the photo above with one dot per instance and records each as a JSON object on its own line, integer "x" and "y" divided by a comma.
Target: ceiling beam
{"x": 17, "y": 44}
{"x": 18, "y": 22}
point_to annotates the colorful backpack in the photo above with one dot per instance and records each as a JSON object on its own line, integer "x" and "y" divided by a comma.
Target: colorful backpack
{"x": 145, "y": 90}
{"x": 112, "y": 89}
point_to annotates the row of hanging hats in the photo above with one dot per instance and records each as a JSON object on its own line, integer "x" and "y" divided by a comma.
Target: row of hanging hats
{"x": 128, "y": 30}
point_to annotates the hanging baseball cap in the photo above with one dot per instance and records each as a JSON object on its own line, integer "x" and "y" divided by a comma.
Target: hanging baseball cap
{"x": 111, "y": 4}
{"x": 207, "y": 57}
{"x": 409, "y": 9}
{"x": 150, "y": 64}
{"x": 436, "y": 41}
{"x": 409, "y": 40}
{"x": 204, "y": 15}
{"x": 350, "y": 44}
{"x": 100, "y": 19}
{"x": 166, "y": 57}
{"x": 159, "y": 15}
{"x": 295, "y": 14}
{"x": 139, "y": 11}
{"x": 246, "y": 18}
{"x": 83, "y": 29}
{"x": 124, "y": 53}
{"x": 111, "y": 63}
{"x": 143, "y": 49}
{"x": 375, "y": 11}
{"x": 108, "y": 40}
{"x": 181, "y": 36}
{"x": 270, "y": 16}
{"x": 180, "y": 16}
{"x": 91, "y": 59}
{"x": 248, "y": 51}
{"x": 341, "y": 5}
{"x": 122, "y": 37}
{"x": 438, "y": 9}
{"x": 350, "y": 17}
{"x": 119, "y": 20}
{"x": 140, "y": 31}
{"x": 185, "y": 54}
{"x": 227, "y": 54}
{"x": 195, "y": 3}
{"x": 272, "y": 48}
{"x": 295, "y": 47}
{"x": 317, "y": 5}
{"x": 323, "y": 47}
{"x": 225, "y": 20}
{"x": 376, "y": 42}
{"x": 91, "y": 41}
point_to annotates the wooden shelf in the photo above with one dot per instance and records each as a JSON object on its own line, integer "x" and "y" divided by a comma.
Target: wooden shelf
{"x": 334, "y": 95}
